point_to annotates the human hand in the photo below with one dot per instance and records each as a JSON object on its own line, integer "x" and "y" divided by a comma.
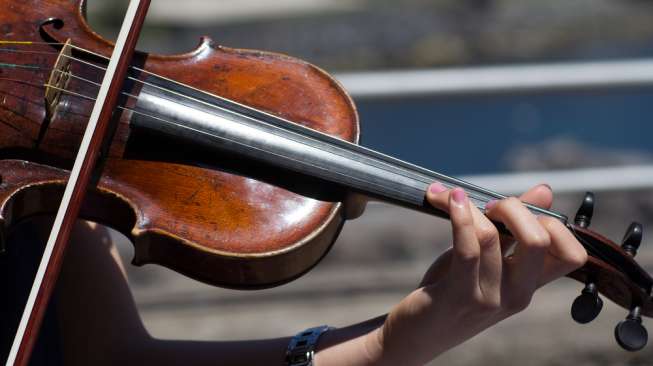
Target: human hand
{"x": 475, "y": 284}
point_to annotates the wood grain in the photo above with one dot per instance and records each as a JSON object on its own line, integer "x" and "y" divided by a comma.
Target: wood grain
{"x": 216, "y": 218}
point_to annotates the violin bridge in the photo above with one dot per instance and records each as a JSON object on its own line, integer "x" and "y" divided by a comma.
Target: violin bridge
{"x": 59, "y": 78}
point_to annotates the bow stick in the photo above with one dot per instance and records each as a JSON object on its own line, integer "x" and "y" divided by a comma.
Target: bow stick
{"x": 78, "y": 182}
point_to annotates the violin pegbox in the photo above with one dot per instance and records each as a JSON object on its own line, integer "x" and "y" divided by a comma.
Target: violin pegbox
{"x": 612, "y": 271}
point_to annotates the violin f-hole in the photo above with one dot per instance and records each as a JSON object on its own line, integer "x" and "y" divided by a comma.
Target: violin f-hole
{"x": 45, "y": 34}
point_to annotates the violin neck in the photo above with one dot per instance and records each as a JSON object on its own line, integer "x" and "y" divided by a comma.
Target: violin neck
{"x": 173, "y": 109}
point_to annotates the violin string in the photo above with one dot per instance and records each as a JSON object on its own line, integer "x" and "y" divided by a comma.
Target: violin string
{"x": 37, "y": 68}
{"x": 427, "y": 182}
{"x": 70, "y": 92}
{"x": 19, "y": 66}
{"x": 448, "y": 185}
{"x": 69, "y": 73}
{"x": 382, "y": 187}
{"x": 176, "y": 93}
{"x": 422, "y": 179}
{"x": 82, "y": 95}
{"x": 445, "y": 183}
{"x": 84, "y": 50}
{"x": 11, "y": 50}
{"x": 20, "y": 81}
{"x": 30, "y": 43}
{"x": 472, "y": 195}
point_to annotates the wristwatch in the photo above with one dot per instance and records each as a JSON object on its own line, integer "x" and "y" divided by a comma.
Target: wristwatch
{"x": 302, "y": 346}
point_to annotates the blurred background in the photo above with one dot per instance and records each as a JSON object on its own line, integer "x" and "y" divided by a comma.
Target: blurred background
{"x": 557, "y": 91}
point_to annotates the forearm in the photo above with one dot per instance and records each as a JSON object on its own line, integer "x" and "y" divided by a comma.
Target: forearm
{"x": 100, "y": 324}
{"x": 354, "y": 345}
{"x": 349, "y": 346}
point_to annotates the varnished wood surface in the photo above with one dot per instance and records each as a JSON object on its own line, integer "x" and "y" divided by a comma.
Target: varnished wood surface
{"x": 227, "y": 216}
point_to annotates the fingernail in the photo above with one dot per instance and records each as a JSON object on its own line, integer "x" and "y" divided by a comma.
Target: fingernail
{"x": 490, "y": 204}
{"x": 547, "y": 186}
{"x": 458, "y": 195}
{"x": 437, "y": 187}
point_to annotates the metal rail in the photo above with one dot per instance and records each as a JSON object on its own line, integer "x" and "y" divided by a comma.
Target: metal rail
{"x": 515, "y": 79}
{"x": 576, "y": 180}
{"x": 500, "y": 79}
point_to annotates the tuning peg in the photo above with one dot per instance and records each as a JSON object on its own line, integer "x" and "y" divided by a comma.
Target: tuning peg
{"x": 630, "y": 333}
{"x": 585, "y": 211}
{"x": 632, "y": 238}
{"x": 587, "y": 306}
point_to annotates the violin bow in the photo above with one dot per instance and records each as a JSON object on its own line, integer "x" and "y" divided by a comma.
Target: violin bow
{"x": 78, "y": 181}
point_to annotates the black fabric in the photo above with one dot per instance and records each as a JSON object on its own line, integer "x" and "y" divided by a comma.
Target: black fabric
{"x": 18, "y": 265}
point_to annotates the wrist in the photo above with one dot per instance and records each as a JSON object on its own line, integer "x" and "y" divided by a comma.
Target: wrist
{"x": 355, "y": 345}
{"x": 414, "y": 334}
{"x": 373, "y": 346}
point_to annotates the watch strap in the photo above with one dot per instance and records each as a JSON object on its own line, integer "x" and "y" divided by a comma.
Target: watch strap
{"x": 301, "y": 348}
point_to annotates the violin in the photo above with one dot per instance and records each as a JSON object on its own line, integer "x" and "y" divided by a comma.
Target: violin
{"x": 234, "y": 167}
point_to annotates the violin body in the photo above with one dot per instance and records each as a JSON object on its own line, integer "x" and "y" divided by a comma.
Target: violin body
{"x": 217, "y": 218}
{"x": 234, "y": 167}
